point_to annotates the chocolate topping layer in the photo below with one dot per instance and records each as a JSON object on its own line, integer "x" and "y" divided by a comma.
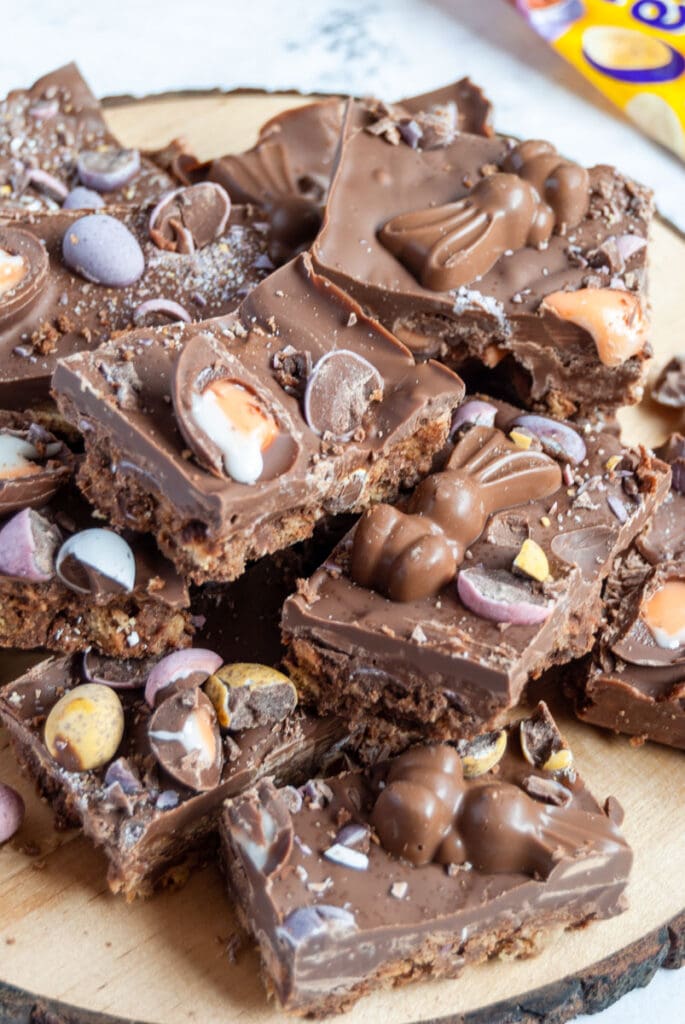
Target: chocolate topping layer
{"x": 287, "y": 173}
{"x": 452, "y": 245}
{"x": 635, "y": 681}
{"x": 64, "y": 313}
{"x": 207, "y": 523}
{"x": 337, "y": 913}
{"x": 438, "y": 666}
{"x": 155, "y": 805}
{"x": 495, "y": 309}
{"x": 44, "y": 130}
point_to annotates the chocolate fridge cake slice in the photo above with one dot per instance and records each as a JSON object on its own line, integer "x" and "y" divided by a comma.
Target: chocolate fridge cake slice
{"x": 55, "y": 147}
{"x": 428, "y": 619}
{"x": 286, "y": 174}
{"x": 423, "y": 865}
{"x": 66, "y": 581}
{"x": 70, "y": 280}
{"x": 236, "y": 436}
{"x": 141, "y": 753}
{"x": 635, "y": 680}
{"x": 473, "y": 248}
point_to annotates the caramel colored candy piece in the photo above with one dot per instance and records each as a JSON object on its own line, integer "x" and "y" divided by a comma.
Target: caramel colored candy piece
{"x": 614, "y": 318}
{"x": 84, "y": 728}
{"x": 532, "y": 561}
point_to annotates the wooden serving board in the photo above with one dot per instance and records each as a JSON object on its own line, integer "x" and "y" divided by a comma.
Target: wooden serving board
{"x": 64, "y": 937}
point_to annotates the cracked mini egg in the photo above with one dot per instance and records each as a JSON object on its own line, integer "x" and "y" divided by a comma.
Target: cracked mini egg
{"x": 664, "y": 615}
{"x": 232, "y": 417}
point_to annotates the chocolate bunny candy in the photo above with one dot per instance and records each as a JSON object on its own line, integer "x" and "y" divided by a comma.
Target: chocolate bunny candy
{"x": 410, "y": 555}
{"x": 536, "y": 193}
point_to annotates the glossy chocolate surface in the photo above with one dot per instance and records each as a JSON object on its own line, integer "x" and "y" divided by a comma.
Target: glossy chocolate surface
{"x": 45, "y": 128}
{"x": 632, "y": 684}
{"x": 400, "y": 262}
{"x": 335, "y": 912}
{"x": 139, "y": 806}
{"x": 288, "y": 171}
{"x": 432, "y": 665}
{"x": 67, "y": 313}
{"x": 293, "y": 309}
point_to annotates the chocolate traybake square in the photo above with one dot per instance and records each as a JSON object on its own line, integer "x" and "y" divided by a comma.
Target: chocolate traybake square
{"x": 429, "y": 619}
{"x": 141, "y": 753}
{"x": 67, "y": 582}
{"x": 232, "y": 439}
{"x": 476, "y": 248}
{"x": 83, "y": 276}
{"x": 634, "y": 682}
{"x": 54, "y": 139}
{"x": 423, "y": 865}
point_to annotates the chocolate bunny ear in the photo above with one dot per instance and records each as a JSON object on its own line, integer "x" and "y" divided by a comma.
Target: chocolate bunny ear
{"x": 259, "y": 175}
{"x": 506, "y": 474}
{"x": 448, "y": 246}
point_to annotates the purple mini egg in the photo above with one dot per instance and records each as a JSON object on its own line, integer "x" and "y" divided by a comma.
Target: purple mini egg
{"x": 102, "y": 249}
{"x": 81, "y": 198}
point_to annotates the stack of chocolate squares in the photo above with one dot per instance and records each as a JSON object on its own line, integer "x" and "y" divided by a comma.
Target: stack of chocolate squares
{"x": 259, "y": 360}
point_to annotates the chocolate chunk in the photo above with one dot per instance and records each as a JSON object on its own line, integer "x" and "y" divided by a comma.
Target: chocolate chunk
{"x": 292, "y": 370}
{"x": 548, "y": 790}
{"x": 669, "y": 388}
{"x": 542, "y": 744}
{"x": 264, "y": 831}
{"x": 339, "y": 391}
{"x": 190, "y": 218}
{"x": 184, "y": 736}
{"x": 414, "y": 812}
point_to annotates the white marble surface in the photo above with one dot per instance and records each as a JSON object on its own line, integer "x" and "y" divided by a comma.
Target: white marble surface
{"x": 387, "y": 47}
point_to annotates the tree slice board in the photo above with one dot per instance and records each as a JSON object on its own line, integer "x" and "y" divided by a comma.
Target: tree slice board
{"x": 71, "y": 952}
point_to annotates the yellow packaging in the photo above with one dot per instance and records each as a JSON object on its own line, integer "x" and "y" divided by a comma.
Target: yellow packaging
{"x": 633, "y": 51}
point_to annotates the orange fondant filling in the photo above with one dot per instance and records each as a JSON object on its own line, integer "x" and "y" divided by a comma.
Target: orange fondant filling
{"x": 665, "y": 609}
{"x": 13, "y": 270}
{"x": 243, "y": 411}
{"x": 613, "y": 317}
